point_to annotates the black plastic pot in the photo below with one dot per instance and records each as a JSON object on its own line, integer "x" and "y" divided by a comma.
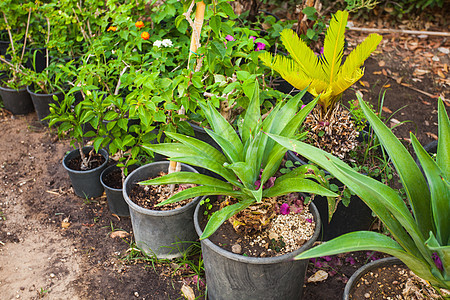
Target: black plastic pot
{"x": 16, "y": 101}
{"x": 234, "y": 276}
{"x": 37, "y": 59}
{"x": 355, "y": 217}
{"x": 165, "y": 234}
{"x": 86, "y": 184}
{"x": 41, "y": 103}
{"x": 116, "y": 203}
{"x": 353, "y": 281}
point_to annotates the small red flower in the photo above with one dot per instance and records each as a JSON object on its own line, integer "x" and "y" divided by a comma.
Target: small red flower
{"x": 112, "y": 28}
{"x": 139, "y": 24}
{"x": 145, "y": 35}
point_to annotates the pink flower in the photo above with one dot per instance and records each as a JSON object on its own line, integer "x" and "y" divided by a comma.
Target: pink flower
{"x": 309, "y": 220}
{"x": 253, "y": 38}
{"x": 230, "y": 38}
{"x": 350, "y": 260}
{"x": 284, "y": 209}
{"x": 302, "y": 106}
{"x": 260, "y": 46}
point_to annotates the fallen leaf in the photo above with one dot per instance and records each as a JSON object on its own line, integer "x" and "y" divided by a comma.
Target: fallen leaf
{"x": 65, "y": 223}
{"x": 445, "y": 68}
{"x": 119, "y": 233}
{"x": 385, "y": 109}
{"x": 386, "y": 86}
{"x": 420, "y": 72}
{"x": 441, "y": 74}
{"x": 431, "y": 135}
{"x": 394, "y": 122}
{"x": 364, "y": 83}
{"x": 188, "y": 293}
{"x": 377, "y": 73}
{"x": 425, "y": 102}
{"x": 444, "y": 50}
{"x": 381, "y": 63}
{"x": 320, "y": 275}
{"x": 114, "y": 215}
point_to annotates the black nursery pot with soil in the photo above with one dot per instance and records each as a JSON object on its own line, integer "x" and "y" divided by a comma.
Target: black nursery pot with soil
{"x": 41, "y": 102}
{"x": 376, "y": 279}
{"x": 16, "y": 101}
{"x": 86, "y": 183}
{"x": 111, "y": 179}
{"x": 235, "y": 276}
{"x": 356, "y": 216}
{"x": 166, "y": 234}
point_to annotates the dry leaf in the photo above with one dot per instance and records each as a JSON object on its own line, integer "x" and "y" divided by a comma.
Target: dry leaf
{"x": 425, "y": 102}
{"x": 441, "y": 74}
{"x": 364, "y": 83}
{"x": 320, "y": 275}
{"x": 445, "y": 68}
{"x": 119, "y": 233}
{"x": 381, "y": 63}
{"x": 394, "y": 122}
{"x": 384, "y": 72}
{"x": 377, "y": 73}
{"x": 386, "y": 86}
{"x": 385, "y": 109}
{"x": 431, "y": 135}
{"x": 420, "y": 72}
{"x": 188, "y": 293}
{"x": 65, "y": 223}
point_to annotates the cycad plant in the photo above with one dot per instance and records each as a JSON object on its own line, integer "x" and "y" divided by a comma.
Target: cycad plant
{"x": 325, "y": 76}
{"x": 247, "y": 162}
{"x": 420, "y": 229}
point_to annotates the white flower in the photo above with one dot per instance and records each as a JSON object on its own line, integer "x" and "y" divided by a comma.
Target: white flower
{"x": 157, "y": 43}
{"x": 167, "y": 43}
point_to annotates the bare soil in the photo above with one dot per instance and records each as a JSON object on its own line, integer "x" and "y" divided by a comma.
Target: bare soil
{"x": 58, "y": 246}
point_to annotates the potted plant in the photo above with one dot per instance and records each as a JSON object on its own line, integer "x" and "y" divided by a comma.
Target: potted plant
{"x": 420, "y": 230}
{"x": 329, "y": 126}
{"x": 84, "y": 164}
{"x": 248, "y": 164}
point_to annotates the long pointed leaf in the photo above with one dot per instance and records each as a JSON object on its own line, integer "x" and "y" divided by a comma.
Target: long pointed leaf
{"x": 197, "y": 191}
{"x": 440, "y": 194}
{"x": 252, "y": 116}
{"x": 228, "y": 148}
{"x": 188, "y": 177}
{"x": 413, "y": 181}
{"x": 293, "y": 185}
{"x": 244, "y": 172}
{"x": 443, "y": 150}
{"x": 219, "y": 217}
{"x": 368, "y": 240}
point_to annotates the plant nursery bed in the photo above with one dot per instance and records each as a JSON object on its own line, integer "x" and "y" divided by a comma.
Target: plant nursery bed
{"x": 56, "y": 245}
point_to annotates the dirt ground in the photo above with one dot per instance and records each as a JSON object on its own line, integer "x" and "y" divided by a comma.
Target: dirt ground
{"x": 54, "y": 245}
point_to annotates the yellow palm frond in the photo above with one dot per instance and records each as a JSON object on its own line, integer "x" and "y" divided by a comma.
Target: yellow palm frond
{"x": 301, "y": 53}
{"x": 346, "y": 80}
{"x": 333, "y": 46}
{"x": 357, "y": 57}
{"x": 285, "y": 66}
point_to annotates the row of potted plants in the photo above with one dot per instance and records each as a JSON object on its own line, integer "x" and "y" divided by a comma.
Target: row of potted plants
{"x": 142, "y": 82}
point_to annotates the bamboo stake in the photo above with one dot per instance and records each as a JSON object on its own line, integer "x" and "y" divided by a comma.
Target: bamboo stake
{"x": 195, "y": 44}
{"x": 404, "y": 31}
{"x": 26, "y": 34}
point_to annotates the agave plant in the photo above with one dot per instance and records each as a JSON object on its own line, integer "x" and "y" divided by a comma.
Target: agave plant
{"x": 421, "y": 236}
{"x": 323, "y": 75}
{"x": 243, "y": 157}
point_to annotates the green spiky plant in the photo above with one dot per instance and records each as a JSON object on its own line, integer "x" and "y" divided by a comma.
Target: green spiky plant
{"x": 420, "y": 230}
{"x": 326, "y": 77}
{"x": 243, "y": 157}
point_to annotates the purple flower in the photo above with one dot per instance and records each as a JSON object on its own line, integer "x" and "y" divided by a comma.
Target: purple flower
{"x": 309, "y": 220}
{"x": 284, "y": 209}
{"x": 350, "y": 260}
{"x": 260, "y": 46}
{"x": 253, "y": 38}
{"x": 437, "y": 261}
{"x": 270, "y": 182}
{"x": 230, "y": 38}
{"x": 257, "y": 184}
{"x": 326, "y": 258}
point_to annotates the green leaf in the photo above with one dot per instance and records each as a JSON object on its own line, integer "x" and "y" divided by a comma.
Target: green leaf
{"x": 197, "y": 191}
{"x": 244, "y": 172}
{"x": 220, "y": 216}
{"x": 412, "y": 179}
{"x": 227, "y": 9}
{"x": 219, "y": 49}
{"x": 443, "y": 150}
{"x": 227, "y": 147}
{"x": 373, "y": 241}
{"x": 188, "y": 177}
{"x": 215, "y": 23}
{"x": 252, "y": 116}
{"x": 293, "y": 185}
{"x": 439, "y": 189}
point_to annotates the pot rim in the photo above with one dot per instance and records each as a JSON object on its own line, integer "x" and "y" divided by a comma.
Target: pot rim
{"x": 260, "y": 260}
{"x": 150, "y": 212}
{"x": 7, "y": 89}
{"x": 349, "y": 286}
{"x": 103, "y": 152}
{"x": 103, "y": 174}
{"x": 40, "y": 95}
